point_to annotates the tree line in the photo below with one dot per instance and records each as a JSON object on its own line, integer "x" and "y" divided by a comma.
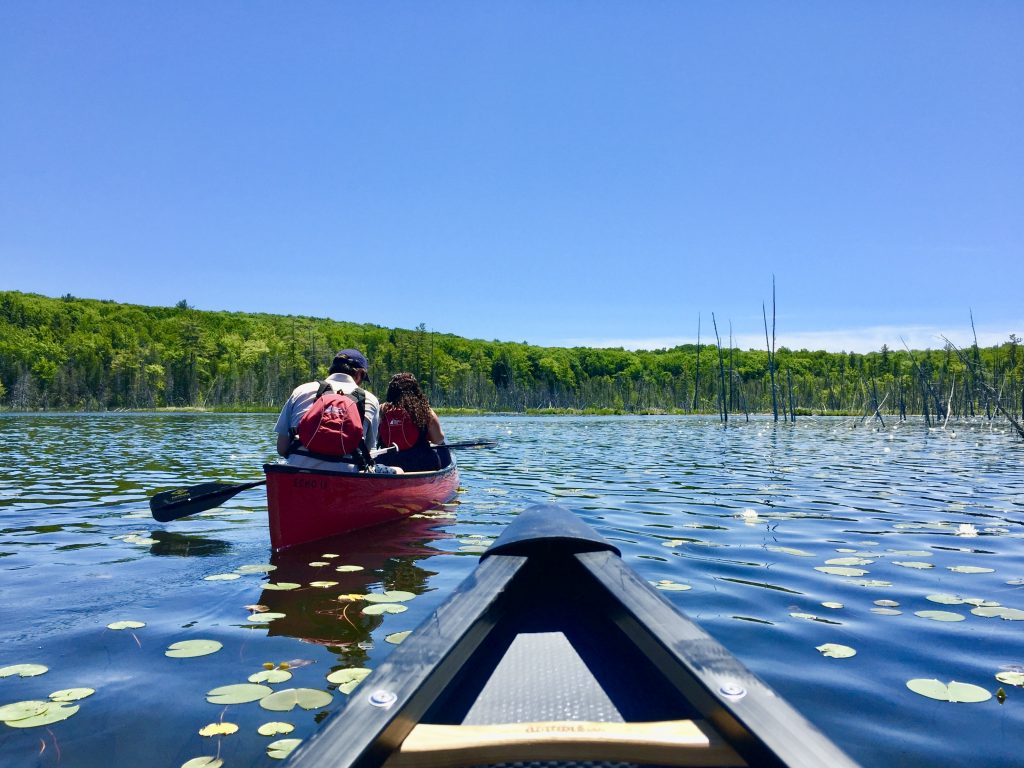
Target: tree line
{"x": 73, "y": 353}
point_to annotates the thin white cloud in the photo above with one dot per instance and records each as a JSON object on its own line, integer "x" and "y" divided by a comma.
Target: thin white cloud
{"x": 861, "y": 340}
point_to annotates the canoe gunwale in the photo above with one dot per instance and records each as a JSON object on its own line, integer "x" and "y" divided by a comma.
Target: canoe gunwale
{"x": 421, "y": 674}
{"x": 432, "y": 656}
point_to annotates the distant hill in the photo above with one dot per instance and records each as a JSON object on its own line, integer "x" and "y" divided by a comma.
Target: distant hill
{"x": 71, "y": 353}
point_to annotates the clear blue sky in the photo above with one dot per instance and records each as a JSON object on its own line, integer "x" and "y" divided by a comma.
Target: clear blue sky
{"x": 554, "y": 172}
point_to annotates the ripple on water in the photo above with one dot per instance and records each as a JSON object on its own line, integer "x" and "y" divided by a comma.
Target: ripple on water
{"x": 732, "y": 523}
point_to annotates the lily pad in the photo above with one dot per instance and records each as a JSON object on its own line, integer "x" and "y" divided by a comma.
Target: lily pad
{"x": 54, "y": 713}
{"x": 913, "y": 564}
{"x": 256, "y": 568}
{"x": 348, "y": 679}
{"x": 887, "y": 611}
{"x": 1001, "y": 611}
{"x": 318, "y": 563}
{"x": 275, "y": 728}
{"x": 391, "y": 596}
{"x": 281, "y": 586}
{"x": 348, "y": 568}
{"x": 289, "y": 698}
{"x": 23, "y": 670}
{"x": 970, "y": 569}
{"x": 671, "y": 586}
{"x": 218, "y": 729}
{"x": 21, "y": 710}
{"x": 323, "y": 584}
{"x": 329, "y": 556}
{"x": 378, "y": 608}
{"x": 1011, "y": 678}
{"x": 790, "y": 551}
{"x": 960, "y": 693}
{"x": 396, "y": 637}
{"x": 836, "y": 570}
{"x": 242, "y": 693}
{"x": 129, "y": 624}
{"x": 203, "y": 762}
{"x": 940, "y": 615}
{"x": 831, "y": 604}
{"x": 849, "y": 561}
{"x": 71, "y": 694}
{"x": 281, "y": 748}
{"x": 186, "y": 649}
{"x": 836, "y": 651}
{"x": 222, "y": 577}
{"x": 270, "y": 676}
{"x": 262, "y": 618}
{"x": 944, "y": 599}
{"x": 887, "y": 603}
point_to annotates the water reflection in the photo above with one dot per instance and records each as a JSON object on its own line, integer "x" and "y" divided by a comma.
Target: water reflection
{"x": 389, "y": 557}
{"x": 168, "y": 543}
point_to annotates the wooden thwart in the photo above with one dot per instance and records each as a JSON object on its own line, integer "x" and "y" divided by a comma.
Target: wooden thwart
{"x": 670, "y": 742}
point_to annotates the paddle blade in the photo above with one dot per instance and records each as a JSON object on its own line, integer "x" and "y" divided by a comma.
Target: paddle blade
{"x": 473, "y": 444}
{"x": 182, "y": 502}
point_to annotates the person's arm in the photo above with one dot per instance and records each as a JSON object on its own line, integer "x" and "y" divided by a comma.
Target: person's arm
{"x": 282, "y": 428}
{"x": 434, "y": 433}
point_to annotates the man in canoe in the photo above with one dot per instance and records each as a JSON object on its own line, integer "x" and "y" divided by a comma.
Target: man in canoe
{"x": 327, "y": 441}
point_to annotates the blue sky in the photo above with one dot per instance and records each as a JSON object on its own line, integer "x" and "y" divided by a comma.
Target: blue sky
{"x": 560, "y": 173}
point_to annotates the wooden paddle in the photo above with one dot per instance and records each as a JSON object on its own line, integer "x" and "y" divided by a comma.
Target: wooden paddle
{"x": 182, "y": 502}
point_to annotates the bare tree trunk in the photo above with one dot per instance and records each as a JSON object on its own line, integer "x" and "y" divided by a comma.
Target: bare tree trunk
{"x": 696, "y": 374}
{"x": 771, "y": 351}
{"x": 723, "y": 407}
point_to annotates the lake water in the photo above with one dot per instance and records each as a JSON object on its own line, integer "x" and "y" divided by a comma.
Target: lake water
{"x": 744, "y": 515}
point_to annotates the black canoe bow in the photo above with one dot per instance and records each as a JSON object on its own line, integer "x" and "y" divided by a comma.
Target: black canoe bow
{"x": 554, "y": 649}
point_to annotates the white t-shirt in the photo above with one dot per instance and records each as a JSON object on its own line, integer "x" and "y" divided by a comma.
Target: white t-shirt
{"x": 303, "y": 396}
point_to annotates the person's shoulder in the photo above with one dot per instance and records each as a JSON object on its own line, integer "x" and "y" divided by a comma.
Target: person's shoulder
{"x": 309, "y": 386}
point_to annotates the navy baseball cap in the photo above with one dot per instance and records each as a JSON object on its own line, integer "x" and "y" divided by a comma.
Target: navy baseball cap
{"x": 353, "y": 357}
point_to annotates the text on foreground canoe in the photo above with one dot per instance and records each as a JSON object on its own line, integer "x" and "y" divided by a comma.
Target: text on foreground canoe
{"x": 554, "y": 650}
{"x": 305, "y": 505}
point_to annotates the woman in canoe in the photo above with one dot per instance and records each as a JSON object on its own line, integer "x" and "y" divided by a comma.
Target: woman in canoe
{"x": 408, "y": 421}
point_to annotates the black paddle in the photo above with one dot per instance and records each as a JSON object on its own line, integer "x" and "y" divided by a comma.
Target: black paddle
{"x": 182, "y": 502}
{"x": 475, "y": 444}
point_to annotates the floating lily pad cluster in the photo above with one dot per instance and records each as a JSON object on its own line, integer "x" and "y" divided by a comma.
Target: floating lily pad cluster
{"x": 38, "y": 712}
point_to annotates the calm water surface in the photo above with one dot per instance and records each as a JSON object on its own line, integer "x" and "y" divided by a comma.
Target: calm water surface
{"x": 744, "y": 516}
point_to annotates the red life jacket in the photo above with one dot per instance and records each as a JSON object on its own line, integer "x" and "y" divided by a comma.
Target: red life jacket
{"x": 397, "y": 428}
{"x": 333, "y": 424}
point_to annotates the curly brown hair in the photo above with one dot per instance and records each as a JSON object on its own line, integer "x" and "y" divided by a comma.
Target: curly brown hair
{"x": 404, "y": 391}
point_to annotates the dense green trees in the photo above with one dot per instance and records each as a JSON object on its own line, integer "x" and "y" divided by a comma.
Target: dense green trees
{"x": 71, "y": 353}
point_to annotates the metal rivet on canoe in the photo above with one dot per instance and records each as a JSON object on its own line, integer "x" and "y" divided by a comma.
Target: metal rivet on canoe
{"x": 382, "y": 698}
{"x": 733, "y": 690}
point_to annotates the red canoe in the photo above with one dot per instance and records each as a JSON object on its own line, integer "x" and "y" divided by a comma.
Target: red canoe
{"x": 306, "y": 505}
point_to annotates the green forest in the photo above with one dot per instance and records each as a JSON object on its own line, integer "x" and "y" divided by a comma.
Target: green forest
{"x": 83, "y": 354}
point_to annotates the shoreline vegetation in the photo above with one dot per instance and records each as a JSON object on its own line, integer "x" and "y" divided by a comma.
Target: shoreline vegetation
{"x": 73, "y": 354}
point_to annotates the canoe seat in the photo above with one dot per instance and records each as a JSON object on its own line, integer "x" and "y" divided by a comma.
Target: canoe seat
{"x": 542, "y": 703}
{"x": 667, "y": 743}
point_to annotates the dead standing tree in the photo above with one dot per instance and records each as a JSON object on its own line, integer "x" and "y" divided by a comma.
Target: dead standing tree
{"x": 979, "y": 378}
{"x": 723, "y": 406}
{"x": 771, "y": 352}
{"x": 696, "y": 374}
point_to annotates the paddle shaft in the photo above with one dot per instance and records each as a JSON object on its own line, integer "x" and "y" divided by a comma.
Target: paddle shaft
{"x": 474, "y": 444}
